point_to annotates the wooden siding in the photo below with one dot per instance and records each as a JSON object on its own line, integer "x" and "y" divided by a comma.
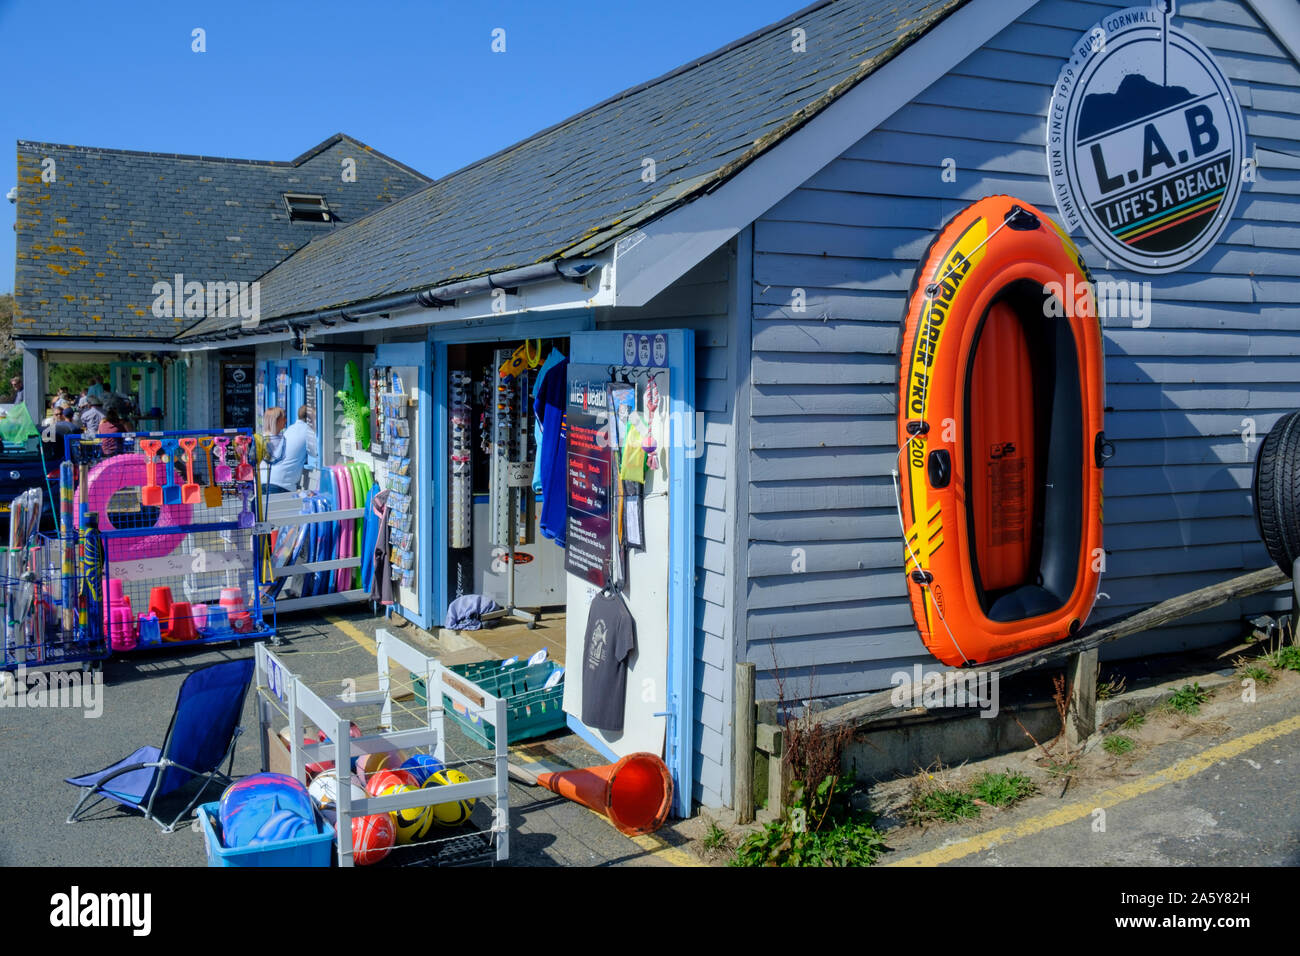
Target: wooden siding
{"x": 826, "y": 605}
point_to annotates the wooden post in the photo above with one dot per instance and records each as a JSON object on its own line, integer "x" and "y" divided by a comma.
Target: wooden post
{"x": 743, "y": 775}
{"x": 771, "y": 742}
{"x": 1081, "y": 672}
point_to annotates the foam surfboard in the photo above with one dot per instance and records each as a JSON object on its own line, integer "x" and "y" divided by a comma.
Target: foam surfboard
{"x": 344, "y": 480}
{"x": 370, "y": 531}
{"x": 310, "y": 547}
{"x": 326, "y": 550}
{"x": 364, "y": 480}
{"x": 329, "y": 497}
{"x": 327, "y": 489}
{"x": 354, "y": 489}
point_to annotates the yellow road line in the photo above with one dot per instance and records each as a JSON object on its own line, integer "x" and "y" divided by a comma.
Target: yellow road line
{"x": 1182, "y": 770}
{"x": 651, "y": 844}
{"x": 354, "y": 632}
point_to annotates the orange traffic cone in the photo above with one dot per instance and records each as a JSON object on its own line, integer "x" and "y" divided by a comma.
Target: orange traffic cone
{"x": 634, "y": 793}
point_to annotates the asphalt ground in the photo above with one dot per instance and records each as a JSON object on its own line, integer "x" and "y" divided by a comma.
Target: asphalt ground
{"x": 41, "y": 747}
{"x": 1217, "y": 788}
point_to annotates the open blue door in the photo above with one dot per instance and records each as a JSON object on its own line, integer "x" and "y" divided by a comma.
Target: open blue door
{"x": 404, "y": 425}
{"x": 652, "y": 376}
{"x": 305, "y": 390}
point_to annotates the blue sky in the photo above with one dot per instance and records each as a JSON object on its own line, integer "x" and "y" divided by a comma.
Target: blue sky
{"x": 416, "y": 80}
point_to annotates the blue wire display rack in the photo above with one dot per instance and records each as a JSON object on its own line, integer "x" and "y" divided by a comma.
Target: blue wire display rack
{"x": 177, "y": 514}
{"x": 34, "y": 632}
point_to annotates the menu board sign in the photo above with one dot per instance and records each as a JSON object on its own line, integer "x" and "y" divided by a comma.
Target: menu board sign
{"x": 237, "y": 395}
{"x": 589, "y": 530}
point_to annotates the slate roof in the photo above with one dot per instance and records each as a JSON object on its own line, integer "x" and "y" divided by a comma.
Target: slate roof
{"x": 574, "y": 188}
{"x": 92, "y": 242}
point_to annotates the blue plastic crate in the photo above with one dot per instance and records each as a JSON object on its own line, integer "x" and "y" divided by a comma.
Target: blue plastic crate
{"x": 314, "y": 850}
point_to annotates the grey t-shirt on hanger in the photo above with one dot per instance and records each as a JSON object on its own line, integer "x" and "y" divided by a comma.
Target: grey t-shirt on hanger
{"x": 610, "y": 641}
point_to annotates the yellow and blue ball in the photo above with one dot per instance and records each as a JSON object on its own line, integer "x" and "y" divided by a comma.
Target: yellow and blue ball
{"x": 420, "y": 766}
{"x": 410, "y": 824}
{"x": 456, "y": 812}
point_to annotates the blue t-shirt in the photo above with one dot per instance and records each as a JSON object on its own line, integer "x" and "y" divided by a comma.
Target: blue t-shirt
{"x": 549, "y": 407}
{"x": 552, "y": 360}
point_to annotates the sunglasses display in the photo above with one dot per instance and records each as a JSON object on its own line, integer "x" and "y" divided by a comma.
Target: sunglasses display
{"x": 461, "y": 497}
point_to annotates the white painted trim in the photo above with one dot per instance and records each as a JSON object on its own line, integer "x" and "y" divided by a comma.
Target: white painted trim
{"x": 682, "y": 238}
{"x": 553, "y": 295}
{"x": 321, "y": 600}
{"x": 71, "y": 344}
{"x": 1282, "y": 17}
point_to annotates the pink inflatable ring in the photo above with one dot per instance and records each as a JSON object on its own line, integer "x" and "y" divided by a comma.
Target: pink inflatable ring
{"x": 128, "y": 471}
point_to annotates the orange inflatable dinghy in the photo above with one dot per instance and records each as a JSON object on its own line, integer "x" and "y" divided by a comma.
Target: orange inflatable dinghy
{"x": 1000, "y": 405}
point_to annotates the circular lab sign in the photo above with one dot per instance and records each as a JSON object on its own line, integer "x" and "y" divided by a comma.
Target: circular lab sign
{"x": 1145, "y": 142}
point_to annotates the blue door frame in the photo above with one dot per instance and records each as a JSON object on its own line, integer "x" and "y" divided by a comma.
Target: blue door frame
{"x": 439, "y": 339}
{"x": 417, "y": 354}
{"x": 299, "y": 369}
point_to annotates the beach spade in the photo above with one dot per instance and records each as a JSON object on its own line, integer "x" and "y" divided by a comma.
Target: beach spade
{"x": 244, "y": 471}
{"x": 151, "y": 495}
{"x": 211, "y": 491}
{"x": 190, "y": 492}
{"x": 245, "y": 516}
{"x": 223, "y": 470}
{"x": 172, "y": 490}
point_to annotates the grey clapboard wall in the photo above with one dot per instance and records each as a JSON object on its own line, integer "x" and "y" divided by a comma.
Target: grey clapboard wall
{"x": 701, "y": 300}
{"x": 826, "y": 606}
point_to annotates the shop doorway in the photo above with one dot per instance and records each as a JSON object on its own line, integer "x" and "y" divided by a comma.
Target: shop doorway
{"x": 503, "y": 506}
{"x": 497, "y": 503}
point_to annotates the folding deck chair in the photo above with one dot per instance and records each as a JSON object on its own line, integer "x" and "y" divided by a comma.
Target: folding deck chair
{"x": 199, "y": 740}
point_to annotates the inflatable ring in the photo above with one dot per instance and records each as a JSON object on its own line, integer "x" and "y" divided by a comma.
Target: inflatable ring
{"x": 1000, "y": 409}
{"x": 534, "y": 361}
{"x": 127, "y": 471}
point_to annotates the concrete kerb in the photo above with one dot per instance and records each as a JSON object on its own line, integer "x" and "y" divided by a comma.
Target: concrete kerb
{"x": 911, "y": 743}
{"x": 1115, "y": 709}
{"x": 918, "y": 738}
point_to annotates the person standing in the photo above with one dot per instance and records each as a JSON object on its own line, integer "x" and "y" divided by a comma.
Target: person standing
{"x": 273, "y": 421}
{"x": 299, "y": 443}
{"x": 273, "y": 426}
{"x": 112, "y": 423}
{"x": 92, "y": 414}
{"x": 65, "y": 423}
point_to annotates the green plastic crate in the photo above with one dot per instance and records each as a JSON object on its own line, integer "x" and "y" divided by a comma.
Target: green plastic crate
{"x": 534, "y": 710}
